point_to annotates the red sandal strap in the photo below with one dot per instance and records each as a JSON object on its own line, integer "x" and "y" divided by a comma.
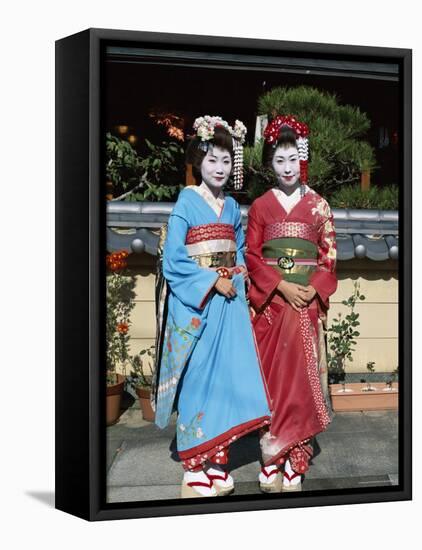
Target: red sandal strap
{"x": 199, "y": 484}
{"x": 293, "y": 476}
{"x": 274, "y": 471}
{"x": 223, "y": 477}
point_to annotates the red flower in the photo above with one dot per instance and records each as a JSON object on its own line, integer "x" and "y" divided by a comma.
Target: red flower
{"x": 195, "y": 322}
{"x": 117, "y": 260}
{"x": 200, "y": 415}
{"x": 122, "y": 328}
{"x": 169, "y": 346}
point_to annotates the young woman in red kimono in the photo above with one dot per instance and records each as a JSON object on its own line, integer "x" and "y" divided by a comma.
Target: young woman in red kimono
{"x": 291, "y": 256}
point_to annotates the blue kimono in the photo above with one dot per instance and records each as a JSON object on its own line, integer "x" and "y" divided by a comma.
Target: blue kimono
{"x": 209, "y": 372}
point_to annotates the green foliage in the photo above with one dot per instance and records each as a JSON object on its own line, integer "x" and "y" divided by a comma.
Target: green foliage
{"x": 123, "y": 164}
{"x": 393, "y": 377}
{"x": 158, "y": 175}
{"x": 137, "y": 377}
{"x": 341, "y": 337}
{"x": 370, "y": 367}
{"x": 119, "y": 304}
{"x": 252, "y": 156}
{"x": 258, "y": 179}
{"x": 337, "y": 150}
{"x": 351, "y": 196}
{"x": 258, "y": 183}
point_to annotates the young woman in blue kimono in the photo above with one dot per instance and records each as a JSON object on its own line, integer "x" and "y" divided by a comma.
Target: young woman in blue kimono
{"x": 208, "y": 367}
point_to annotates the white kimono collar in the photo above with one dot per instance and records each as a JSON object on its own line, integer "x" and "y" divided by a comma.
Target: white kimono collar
{"x": 215, "y": 203}
{"x": 288, "y": 201}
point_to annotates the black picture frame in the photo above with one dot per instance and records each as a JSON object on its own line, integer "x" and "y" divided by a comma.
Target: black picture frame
{"x": 80, "y": 242}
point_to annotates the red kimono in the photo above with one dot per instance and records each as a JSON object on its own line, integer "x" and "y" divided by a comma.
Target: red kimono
{"x": 299, "y": 247}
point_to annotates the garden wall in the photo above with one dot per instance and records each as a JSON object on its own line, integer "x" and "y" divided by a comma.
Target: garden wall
{"x": 378, "y": 340}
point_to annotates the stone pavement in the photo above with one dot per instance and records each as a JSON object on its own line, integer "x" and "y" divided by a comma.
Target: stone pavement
{"x": 357, "y": 450}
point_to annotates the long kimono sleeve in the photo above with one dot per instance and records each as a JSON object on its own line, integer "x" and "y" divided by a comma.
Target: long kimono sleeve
{"x": 263, "y": 277}
{"x": 240, "y": 239}
{"x": 190, "y": 283}
{"x": 324, "y": 279}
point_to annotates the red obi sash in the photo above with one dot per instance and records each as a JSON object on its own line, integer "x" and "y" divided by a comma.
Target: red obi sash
{"x": 298, "y": 230}
{"x": 210, "y": 232}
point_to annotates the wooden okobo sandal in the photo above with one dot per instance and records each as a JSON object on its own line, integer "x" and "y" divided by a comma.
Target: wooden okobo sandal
{"x": 188, "y": 489}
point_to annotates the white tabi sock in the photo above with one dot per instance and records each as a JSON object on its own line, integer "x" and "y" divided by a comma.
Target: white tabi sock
{"x": 269, "y": 478}
{"x": 216, "y": 470}
{"x": 200, "y": 476}
{"x": 288, "y": 469}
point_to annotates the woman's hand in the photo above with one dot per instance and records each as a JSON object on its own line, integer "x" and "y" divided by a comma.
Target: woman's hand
{"x": 296, "y": 295}
{"x": 225, "y": 287}
{"x": 310, "y": 293}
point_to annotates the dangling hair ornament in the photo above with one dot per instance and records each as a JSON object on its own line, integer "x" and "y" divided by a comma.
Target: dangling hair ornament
{"x": 272, "y": 133}
{"x": 204, "y": 128}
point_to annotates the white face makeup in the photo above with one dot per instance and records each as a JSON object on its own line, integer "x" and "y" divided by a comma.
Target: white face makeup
{"x": 216, "y": 167}
{"x": 286, "y": 166}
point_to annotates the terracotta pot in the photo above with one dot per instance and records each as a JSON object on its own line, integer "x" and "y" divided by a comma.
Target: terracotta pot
{"x": 113, "y": 400}
{"x": 355, "y": 398}
{"x": 144, "y": 395}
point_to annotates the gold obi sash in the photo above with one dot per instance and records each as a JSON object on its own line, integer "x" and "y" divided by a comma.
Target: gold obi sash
{"x": 212, "y": 245}
{"x": 294, "y": 258}
{"x": 216, "y": 259}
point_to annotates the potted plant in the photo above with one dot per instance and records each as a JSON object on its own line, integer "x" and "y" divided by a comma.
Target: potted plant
{"x": 371, "y": 369}
{"x": 341, "y": 341}
{"x": 358, "y": 398}
{"x": 119, "y": 288}
{"x": 373, "y": 396}
{"x": 391, "y": 382}
{"x": 141, "y": 382}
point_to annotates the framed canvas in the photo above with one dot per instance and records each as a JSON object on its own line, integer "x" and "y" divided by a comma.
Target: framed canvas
{"x": 126, "y": 104}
